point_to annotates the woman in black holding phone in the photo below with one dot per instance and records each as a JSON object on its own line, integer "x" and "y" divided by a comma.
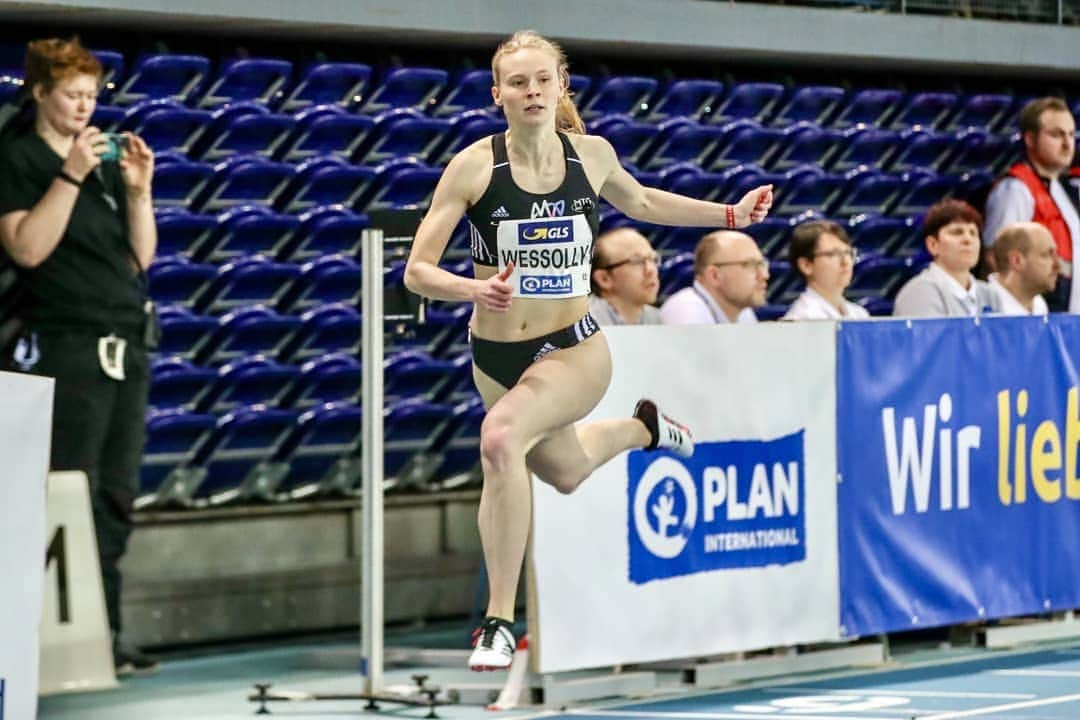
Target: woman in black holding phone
{"x": 80, "y": 228}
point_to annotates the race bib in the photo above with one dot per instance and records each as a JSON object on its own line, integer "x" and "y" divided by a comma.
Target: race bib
{"x": 552, "y": 256}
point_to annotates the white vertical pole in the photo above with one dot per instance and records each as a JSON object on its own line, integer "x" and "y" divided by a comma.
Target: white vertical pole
{"x": 371, "y": 571}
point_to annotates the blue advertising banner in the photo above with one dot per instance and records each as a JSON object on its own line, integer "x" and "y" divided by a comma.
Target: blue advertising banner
{"x": 733, "y": 504}
{"x": 959, "y": 494}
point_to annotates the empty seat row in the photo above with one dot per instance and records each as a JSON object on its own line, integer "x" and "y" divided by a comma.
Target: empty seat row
{"x": 328, "y": 328}
{"x": 261, "y": 453}
{"x": 334, "y": 377}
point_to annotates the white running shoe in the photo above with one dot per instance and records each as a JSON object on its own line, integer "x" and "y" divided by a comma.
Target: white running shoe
{"x": 667, "y": 434}
{"x": 493, "y": 645}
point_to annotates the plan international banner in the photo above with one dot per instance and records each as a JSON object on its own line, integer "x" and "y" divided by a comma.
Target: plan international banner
{"x": 960, "y": 493}
{"x": 658, "y": 557}
{"x": 25, "y": 422}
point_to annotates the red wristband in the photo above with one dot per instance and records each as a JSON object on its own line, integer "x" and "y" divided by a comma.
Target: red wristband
{"x": 731, "y": 216}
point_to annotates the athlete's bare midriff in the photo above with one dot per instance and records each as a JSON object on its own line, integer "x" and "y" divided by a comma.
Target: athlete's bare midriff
{"x": 527, "y": 317}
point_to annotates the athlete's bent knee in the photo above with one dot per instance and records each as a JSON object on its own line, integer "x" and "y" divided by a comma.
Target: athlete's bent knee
{"x": 498, "y": 448}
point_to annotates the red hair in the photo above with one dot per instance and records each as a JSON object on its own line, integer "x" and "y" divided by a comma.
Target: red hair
{"x": 51, "y": 61}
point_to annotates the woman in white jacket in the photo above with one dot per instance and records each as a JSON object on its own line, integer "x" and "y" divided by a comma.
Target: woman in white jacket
{"x": 821, "y": 253}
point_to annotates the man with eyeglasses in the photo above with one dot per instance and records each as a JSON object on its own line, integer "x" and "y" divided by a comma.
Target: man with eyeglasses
{"x": 730, "y": 277}
{"x": 1033, "y": 190}
{"x": 821, "y": 253}
{"x": 625, "y": 279}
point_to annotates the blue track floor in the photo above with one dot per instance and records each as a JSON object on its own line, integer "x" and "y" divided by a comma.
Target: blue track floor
{"x": 1039, "y": 684}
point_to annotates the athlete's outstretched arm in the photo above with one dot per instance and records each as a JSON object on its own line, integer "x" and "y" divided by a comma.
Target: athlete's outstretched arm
{"x": 423, "y": 275}
{"x": 633, "y": 199}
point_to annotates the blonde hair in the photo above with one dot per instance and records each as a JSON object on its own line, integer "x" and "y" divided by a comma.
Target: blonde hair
{"x": 567, "y": 118}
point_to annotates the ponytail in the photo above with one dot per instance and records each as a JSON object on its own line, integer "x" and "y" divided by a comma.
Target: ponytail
{"x": 567, "y": 117}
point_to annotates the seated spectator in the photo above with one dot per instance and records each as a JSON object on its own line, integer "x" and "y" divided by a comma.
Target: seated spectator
{"x": 730, "y": 276}
{"x": 625, "y": 279}
{"x": 946, "y": 288}
{"x": 1027, "y": 261}
{"x": 821, "y": 253}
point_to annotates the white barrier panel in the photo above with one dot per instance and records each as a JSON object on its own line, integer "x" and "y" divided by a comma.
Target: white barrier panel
{"x": 76, "y": 644}
{"x": 25, "y": 423}
{"x": 657, "y": 557}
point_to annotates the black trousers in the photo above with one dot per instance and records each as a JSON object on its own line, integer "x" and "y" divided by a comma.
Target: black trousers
{"x": 99, "y": 427}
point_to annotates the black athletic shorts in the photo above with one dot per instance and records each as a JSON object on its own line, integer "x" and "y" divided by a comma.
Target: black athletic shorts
{"x": 505, "y": 362}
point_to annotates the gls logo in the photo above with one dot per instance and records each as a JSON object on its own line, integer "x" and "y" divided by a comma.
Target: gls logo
{"x": 548, "y": 209}
{"x": 545, "y": 232}
{"x": 733, "y": 504}
{"x": 545, "y": 284}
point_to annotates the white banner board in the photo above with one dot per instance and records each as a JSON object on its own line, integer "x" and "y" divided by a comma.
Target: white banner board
{"x": 657, "y": 557}
{"x": 25, "y": 425}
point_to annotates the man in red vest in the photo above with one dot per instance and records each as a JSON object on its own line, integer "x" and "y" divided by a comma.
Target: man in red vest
{"x": 1032, "y": 190}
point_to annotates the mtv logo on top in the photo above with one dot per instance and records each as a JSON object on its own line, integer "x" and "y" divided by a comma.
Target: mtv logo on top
{"x": 734, "y": 504}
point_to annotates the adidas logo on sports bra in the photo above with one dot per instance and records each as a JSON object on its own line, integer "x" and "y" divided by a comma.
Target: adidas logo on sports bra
{"x": 501, "y": 212}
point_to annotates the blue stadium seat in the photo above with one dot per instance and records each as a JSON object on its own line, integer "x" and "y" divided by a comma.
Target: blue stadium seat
{"x": 170, "y": 128}
{"x": 178, "y": 383}
{"x": 745, "y": 141}
{"x": 631, "y": 139}
{"x": 331, "y": 328}
{"x": 679, "y": 240}
{"x": 465, "y": 129}
{"x": 925, "y": 110}
{"x": 469, "y": 91}
{"x": 221, "y": 120}
{"x": 259, "y": 80}
{"x": 327, "y": 180}
{"x": 247, "y": 230}
{"x": 328, "y": 83}
{"x": 326, "y": 279}
{"x": 922, "y": 149}
{"x": 807, "y": 188}
{"x": 112, "y": 72}
{"x": 868, "y": 191}
{"x": 243, "y": 180}
{"x": 887, "y": 236}
{"x": 681, "y": 140}
{"x": 235, "y": 457}
{"x": 974, "y": 187}
{"x": 411, "y": 428}
{"x": 982, "y": 111}
{"x": 771, "y": 235}
{"x": 784, "y": 283}
{"x": 806, "y": 144}
{"x": 178, "y": 281}
{"x": 877, "y": 276}
{"x": 869, "y": 147}
{"x": 179, "y": 183}
{"x": 580, "y": 85}
{"x": 181, "y": 232}
{"x": 922, "y": 188}
{"x": 247, "y": 281}
{"x": 414, "y": 373}
{"x": 177, "y": 77}
{"x": 877, "y": 307}
{"x": 870, "y": 107}
{"x": 255, "y": 380}
{"x": 333, "y": 377}
{"x": 769, "y": 312}
{"x": 619, "y": 95}
{"x": 174, "y": 437}
{"x": 676, "y": 272}
{"x": 406, "y": 88}
{"x": 460, "y": 386}
{"x": 741, "y": 179}
{"x": 106, "y": 118}
{"x": 690, "y": 99}
{"x": 183, "y": 333}
{"x": 248, "y": 331}
{"x": 460, "y": 445}
{"x": 809, "y": 103}
{"x": 978, "y": 150}
{"x": 325, "y": 230}
{"x": 323, "y": 452}
{"x": 401, "y": 134}
{"x": 250, "y": 134}
{"x": 400, "y": 188}
{"x": 325, "y": 130}
{"x": 748, "y": 101}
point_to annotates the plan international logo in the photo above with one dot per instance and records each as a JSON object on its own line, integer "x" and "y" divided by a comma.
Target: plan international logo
{"x": 733, "y": 504}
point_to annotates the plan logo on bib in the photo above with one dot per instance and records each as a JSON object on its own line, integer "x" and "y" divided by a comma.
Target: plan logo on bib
{"x": 733, "y": 504}
{"x": 546, "y": 284}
